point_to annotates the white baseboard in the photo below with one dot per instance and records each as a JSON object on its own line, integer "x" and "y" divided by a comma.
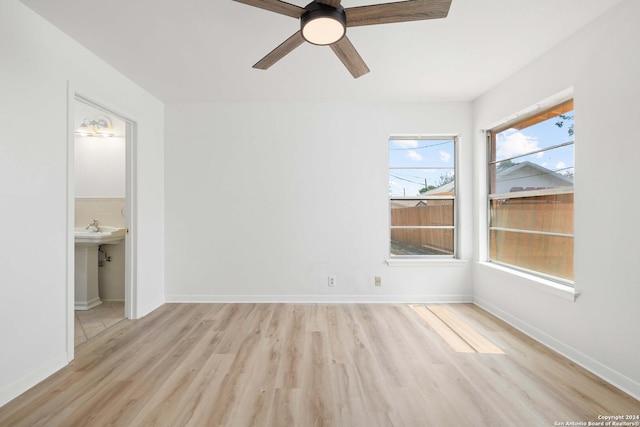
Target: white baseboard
{"x": 613, "y": 377}
{"x": 11, "y": 391}
{"x": 329, "y": 299}
{"x": 87, "y": 305}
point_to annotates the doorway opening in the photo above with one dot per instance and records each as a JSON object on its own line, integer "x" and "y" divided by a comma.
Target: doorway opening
{"x": 101, "y": 214}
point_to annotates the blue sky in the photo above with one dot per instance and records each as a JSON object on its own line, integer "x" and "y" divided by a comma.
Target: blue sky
{"x": 430, "y": 158}
{"x": 514, "y": 142}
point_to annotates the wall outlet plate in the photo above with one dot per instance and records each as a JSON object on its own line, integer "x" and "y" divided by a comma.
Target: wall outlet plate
{"x": 378, "y": 281}
{"x": 331, "y": 281}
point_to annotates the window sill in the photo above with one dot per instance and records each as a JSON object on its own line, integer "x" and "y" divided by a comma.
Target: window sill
{"x": 549, "y": 286}
{"x": 425, "y": 262}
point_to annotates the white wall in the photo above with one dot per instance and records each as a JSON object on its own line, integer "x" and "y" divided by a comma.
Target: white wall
{"x": 100, "y": 167}
{"x": 264, "y": 201}
{"x": 600, "y": 329}
{"x": 36, "y": 62}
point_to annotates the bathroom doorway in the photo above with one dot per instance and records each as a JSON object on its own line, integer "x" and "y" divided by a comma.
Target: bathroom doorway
{"x": 101, "y": 213}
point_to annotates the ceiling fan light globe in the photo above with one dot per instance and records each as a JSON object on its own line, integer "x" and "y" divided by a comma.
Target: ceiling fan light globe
{"x": 323, "y": 25}
{"x": 323, "y": 31}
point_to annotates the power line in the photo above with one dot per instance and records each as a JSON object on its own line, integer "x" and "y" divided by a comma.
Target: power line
{"x": 425, "y": 146}
{"x": 404, "y": 179}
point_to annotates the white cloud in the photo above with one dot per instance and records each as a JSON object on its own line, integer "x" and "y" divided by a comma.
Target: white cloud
{"x": 511, "y": 143}
{"x": 405, "y": 143}
{"x": 444, "y": 156}
{"x": 414, "y": 155}
{"x": 561, "y": 165}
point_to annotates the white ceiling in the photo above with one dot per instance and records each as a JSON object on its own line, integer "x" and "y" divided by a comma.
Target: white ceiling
{"x": 203, "y": 50}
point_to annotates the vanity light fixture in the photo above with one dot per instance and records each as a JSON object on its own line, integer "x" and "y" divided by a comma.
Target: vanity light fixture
{"x": 99, "y": 126}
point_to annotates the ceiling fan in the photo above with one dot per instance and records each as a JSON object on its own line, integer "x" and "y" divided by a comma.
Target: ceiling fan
{"x": 325, "y": 22}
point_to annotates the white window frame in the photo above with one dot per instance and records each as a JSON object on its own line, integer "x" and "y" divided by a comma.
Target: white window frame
{"x": 408, "y": 258}
{"x": 524, "y": 194}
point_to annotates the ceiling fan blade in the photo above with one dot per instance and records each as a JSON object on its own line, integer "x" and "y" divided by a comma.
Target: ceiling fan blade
{"x": 350, "y": 57}
{"x": 278, "y": 53}
{"x": 332, "y": 3}
{"x": 402, "y": 11}
{"x": 276, "y": 6}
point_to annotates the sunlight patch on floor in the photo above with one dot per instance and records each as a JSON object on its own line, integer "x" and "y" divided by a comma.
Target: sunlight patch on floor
{"x": 458, "y": 334}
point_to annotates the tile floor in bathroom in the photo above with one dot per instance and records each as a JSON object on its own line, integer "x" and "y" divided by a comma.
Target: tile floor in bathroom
{"x": 90, "y": 323}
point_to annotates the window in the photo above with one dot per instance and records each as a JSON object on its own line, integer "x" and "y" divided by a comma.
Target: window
{"x": 422, "y": 195}
{"x": 531, "y": 171}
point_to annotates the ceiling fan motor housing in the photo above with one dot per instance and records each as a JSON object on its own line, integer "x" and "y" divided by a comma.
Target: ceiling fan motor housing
{"x": 322, "y": 24}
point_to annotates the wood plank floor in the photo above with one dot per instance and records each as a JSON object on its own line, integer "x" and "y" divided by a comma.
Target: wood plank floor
{"x": 313, "y": 365}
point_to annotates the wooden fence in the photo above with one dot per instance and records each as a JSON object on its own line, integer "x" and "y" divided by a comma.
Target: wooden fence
{"x": 547, "y": 253}
{"x": 423, "y": 241}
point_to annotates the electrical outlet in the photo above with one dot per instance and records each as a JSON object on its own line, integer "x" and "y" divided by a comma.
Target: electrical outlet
{"x": 378, "y": 281}
{"x": 332, "y": 282}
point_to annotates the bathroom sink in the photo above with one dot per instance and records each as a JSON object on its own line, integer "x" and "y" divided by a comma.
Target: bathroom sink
{"x": 104, "y": 235}
{"x": 87, "y": 293}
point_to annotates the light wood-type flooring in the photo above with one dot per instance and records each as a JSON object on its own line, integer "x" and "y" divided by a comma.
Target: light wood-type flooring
{"x": 316, "y": 365}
